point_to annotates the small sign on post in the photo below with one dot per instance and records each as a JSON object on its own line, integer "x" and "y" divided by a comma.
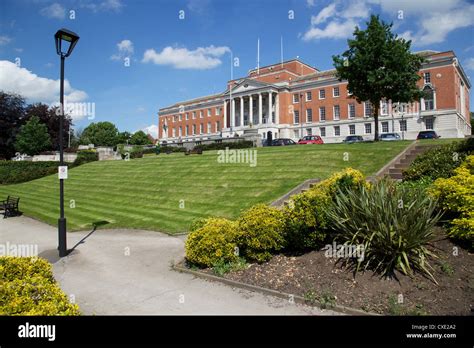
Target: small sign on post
{"x": 62, "y": 172}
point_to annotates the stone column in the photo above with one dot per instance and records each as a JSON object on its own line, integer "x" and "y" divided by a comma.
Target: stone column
{"x": 269, "y": 116}
{"x": 241, "y": 111}
{"x": 225, "y": 114}
{"x": 250, "y": 109}
{"x": 277, "y": 109}
{"x": 232, "y": 113}
{"x": 260, "y": 108}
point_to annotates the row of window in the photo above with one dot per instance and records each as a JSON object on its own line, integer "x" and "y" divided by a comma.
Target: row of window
{"x": 193, "y": 114}
{"x": 336, "y": 112}
{"x": 217, "y": 128}
{"x": 352, "y": 129}
{"x": 322, "y": 94}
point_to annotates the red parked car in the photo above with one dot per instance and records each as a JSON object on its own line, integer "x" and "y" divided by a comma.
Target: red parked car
{"x": 311, "y": 139}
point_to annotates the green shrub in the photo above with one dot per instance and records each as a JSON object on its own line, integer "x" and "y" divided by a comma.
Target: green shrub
{"x": 306, "y": 221}
{"x": 393, "y": 224}
{"x": 14, "y": 172}
{"x": 261, "y": 232}
{"x": 456, "y": 200}
{"x": 439, "y": 162}
{"x": 215, "y": 241}
{"x": 86, "y": 156}
{"x": 136, "y": 152}
{"x": 28, "y": 288}
{"x": 165, "y": 149}
{"x": 241, "y": 144}
{"x": 196, "y": 224}
{"x": 221, "y": 267}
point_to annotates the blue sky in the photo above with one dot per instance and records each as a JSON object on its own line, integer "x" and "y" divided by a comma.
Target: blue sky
{"x": 174, "y": 59}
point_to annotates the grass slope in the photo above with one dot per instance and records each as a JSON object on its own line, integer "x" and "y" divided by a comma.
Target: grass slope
{"x": 167, "y": 192}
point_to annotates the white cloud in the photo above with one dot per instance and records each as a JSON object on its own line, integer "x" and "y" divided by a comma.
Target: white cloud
{"x": 103, "y": 6}
{"x": 125, "y": 49}
{"x": 141, "y": 109}
{"x": 33, "y": 87}
{"x": 54, "y": 10}
{"x": 311, "y": 3}
{"x": 152, "y": 130}
{"x": 181, "y": 58}
{"x": 4, "y": 40}
{"x": 341, "y": 18}
{"x": 469, "y": 64}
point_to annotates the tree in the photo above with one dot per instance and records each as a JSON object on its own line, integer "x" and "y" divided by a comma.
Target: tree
{"x": 140, "y": 138}
{"x": 50, "y": 117}
{"x": 378, "y": 65}
{"x": 100, "y": 134}
{"x": 123, "y": 137}
{"x": 12, "y": 112}
{"x": 33, "y": 137}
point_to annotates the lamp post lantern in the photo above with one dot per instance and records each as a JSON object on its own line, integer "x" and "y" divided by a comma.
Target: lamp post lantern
{"x": 62, "y": 37}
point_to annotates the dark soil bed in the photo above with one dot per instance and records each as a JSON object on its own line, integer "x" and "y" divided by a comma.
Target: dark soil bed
{"x": 321, "y": 280}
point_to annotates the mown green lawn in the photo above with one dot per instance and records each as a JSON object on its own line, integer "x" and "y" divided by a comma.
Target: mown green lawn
{"x": 166, "y": 192}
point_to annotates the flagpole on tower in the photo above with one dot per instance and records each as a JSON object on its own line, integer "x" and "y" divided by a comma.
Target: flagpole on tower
{"x": 258, "y": 56}
{"x": 281, "y": 50}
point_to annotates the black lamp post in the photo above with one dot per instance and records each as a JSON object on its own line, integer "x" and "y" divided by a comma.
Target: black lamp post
{"x": 62, "y": 37}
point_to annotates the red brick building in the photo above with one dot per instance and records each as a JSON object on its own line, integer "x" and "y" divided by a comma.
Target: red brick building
{"x": 292, "y": 99}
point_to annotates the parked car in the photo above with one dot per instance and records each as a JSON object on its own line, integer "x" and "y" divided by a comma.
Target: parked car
{"x": 390, "y": 137}
{"x": 350, "y": 139}
{"x": 283, "y": 142}
{"x": 429, "y": 134}
{"x": 311, "y": 139}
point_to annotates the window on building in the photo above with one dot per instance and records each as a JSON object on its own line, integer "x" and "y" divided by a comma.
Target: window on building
{"x": 187, "y": 130}
{"x": 368, "y": 109}
{"x": 296, "y": 115}
{"x": 309, "y": 96}
{"x": 200, "y": 114}
{"x": 384, "y": 127}
{"x": 322, "y": 113}
{"x": 428, "y": 98}
{"x": 323, "y": 131}
{"x": 194, "y": 115}
{"x": 194, "y": 129}
{"x": 335, "y": 92}
{"x": 337, "y": 131}
{"x": 403, "y": 125}
{"x": 201, "y": 128}
{"x": 383, "y": 107}
{"x": 427, "y": 77}
{"x": 175, "y": 118}
{"x": 180, "y": 131}
{"x": 209, "y": 112}
{"x": 309, "y": 131}
{"x": 322, "y": 94}
{"x": 368, "y": 128}
{"x": 429, "y": 123}
{"x": 352, "y": 129}
{"x": 296, "y": 98}
{"x": 208, "y": 127}
{"x": 352, "y": 110}
{"x": 187, "y": 116}
{"x": 337, "y": 112}
{"x": 180, "y": 117}
{"x": 218, "y": 126}
{"x": 174, "y": 132}
{"x": 218, "y": 111}
{"x": 309, "y": 115}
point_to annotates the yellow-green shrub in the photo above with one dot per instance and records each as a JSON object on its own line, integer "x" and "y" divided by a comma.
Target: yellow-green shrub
{"x": 306, "y": 221}
{"x": 215, "y": 241}
{"x": 27, "y": 287}
{"x": 456, "y": 197}
{"x": 261, "y": 232}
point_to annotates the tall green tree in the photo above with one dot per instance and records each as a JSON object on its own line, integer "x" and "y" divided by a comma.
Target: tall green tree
{"x": 12, "y": 113}
{"x": 50, "y": 117}
{"x": 33, "y": 137}
{"x": 140, "y": 138}
{"x": 100, "y": 134}
{"x": 378, "y": 65}
{"x": 123, "y": 137}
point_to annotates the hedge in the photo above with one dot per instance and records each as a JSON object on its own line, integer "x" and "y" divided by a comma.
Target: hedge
{"x": 14, "y": 172}
{"x": 86, "y": 156}
{"x": 241, "y": 144}
{"x": 29, "y": 288}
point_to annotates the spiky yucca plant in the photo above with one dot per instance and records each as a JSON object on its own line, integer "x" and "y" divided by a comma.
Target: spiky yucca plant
{"x": 393, "y": 223}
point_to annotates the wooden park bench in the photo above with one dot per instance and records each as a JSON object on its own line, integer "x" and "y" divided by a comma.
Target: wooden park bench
{"x": 10, "y": 206}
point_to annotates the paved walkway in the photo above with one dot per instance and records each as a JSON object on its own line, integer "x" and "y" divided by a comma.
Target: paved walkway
{"x": 128, "y": 272}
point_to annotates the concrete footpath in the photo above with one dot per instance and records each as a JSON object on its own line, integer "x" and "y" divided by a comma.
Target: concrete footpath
{"x": 128, "y": 272}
